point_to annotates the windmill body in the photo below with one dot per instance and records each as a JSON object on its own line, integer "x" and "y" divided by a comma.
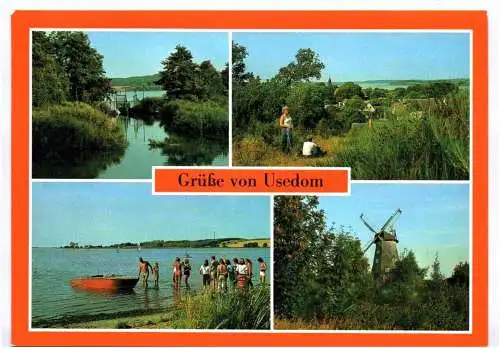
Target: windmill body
{"x": 386, "y": 251}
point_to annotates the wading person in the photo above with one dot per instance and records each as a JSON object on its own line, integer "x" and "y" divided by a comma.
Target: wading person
{"x": 242, "y": 274}
{"x": 156, "y": 274}
{"x": 231, "y": 273}
{"x": 286, "y": 127}
{"x": 222, "y": 274}
{"x": 144, "y": 267}
{"x": 187, "y": 272}
{"x": 213, "y": 271}
{"x": 205, "y": 275}
{"x": 248, "y": 262}
{"x": 177, "y": 271}
{"x": 262, "y": 270}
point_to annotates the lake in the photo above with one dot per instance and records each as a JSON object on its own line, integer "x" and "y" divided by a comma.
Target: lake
{"x": 138, "y": 157}
{"x": 52, "y": 270}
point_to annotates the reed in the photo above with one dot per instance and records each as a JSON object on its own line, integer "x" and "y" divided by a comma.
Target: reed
{"x": 71, "y": 130}
{"x": 232, "y": 310}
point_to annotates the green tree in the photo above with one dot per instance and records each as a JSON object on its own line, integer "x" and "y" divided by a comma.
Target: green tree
{"x": 460, "y": 274}
{"x": 347, "y": 91}
{"x": 49, "y": 81}
{"x": 179, "y": 75}
{"x": 83, "y": 66}
{"x": 298, "y": 223}
{"x": 305, "y": 67}
{"x": 224, "y": 75}
{"x": 307, "y": 104}
{"x": 211, "y": 83}
{"x": 436, "y": 274}
{"x": 239, "y": 53}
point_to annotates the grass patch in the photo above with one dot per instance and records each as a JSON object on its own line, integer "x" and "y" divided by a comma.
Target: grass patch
{"x": 69, "y": 130}
{"x": 254, "y": 151}
{"x": 234, "y": 310}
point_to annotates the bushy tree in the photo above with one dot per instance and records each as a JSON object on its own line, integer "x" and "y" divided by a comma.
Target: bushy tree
{"x": 49, "y": 81}
{"x": 305, "y": 67}
{"x": 239, "y": 53}
{"x": 211, "y": 82}
{"x": 179, "y": 75}
{"x": 306, "y": 103}
{"x": 347, "y": 91}
{"x": 82, "y": 64}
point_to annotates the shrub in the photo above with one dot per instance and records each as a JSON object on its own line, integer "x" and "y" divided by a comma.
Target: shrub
{"x": 207, "y": 119}
{"x": 435, "y": 146}
{"x": 73, "y": 129}
{"x": 147, "y": 109}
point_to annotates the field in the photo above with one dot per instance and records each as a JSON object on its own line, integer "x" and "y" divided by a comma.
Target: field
{"x": 261, "y": 243}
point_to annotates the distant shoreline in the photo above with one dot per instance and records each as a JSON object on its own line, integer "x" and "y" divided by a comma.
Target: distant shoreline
{"x": 223, "y": 243}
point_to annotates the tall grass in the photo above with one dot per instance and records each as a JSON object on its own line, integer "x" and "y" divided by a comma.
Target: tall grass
{"x": 71, "y": 130}
{"x": 233, "y": 310}
{"x": 208, "y": 119}
{"x": 435, "y": 146}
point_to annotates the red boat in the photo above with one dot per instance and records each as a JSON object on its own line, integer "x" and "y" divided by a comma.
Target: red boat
{"x": 102, "y": 283}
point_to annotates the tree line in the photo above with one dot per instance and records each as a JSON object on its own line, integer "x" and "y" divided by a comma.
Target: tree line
{"x": 202, "y": 243}
{"x": 322, "y": 278}
{"x": 314, "y": 105}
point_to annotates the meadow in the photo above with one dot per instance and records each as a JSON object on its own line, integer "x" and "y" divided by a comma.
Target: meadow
{"x": 420, "y": 131}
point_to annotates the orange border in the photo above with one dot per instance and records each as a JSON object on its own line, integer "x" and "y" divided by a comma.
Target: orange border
{"x": 22, "y": 21}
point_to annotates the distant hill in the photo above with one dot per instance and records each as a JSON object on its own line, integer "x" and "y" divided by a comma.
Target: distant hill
{"x": 147, "y": 82}
{"x": 233, "y": 242}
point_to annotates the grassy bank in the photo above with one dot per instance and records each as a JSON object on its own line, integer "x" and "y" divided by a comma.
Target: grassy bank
{"x": 69, "y": 130}
{"x": 234, "y": 310}
{"x": 253, "y": 151}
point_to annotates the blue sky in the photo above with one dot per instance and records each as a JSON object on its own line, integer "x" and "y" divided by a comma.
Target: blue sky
{"x": 435, "y": 218}
{"x": 106, "y": 213}
{"x": 362, "y": 56}
{"x": 140, "y": 53}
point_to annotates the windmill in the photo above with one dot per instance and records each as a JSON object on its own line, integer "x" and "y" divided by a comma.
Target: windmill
{"x": 385, "y": 240}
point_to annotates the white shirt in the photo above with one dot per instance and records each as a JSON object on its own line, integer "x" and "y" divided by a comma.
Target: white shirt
{"x": 205, "y": 269}
{"x": 242, "y": 269}
{"x": 307, "y": 148}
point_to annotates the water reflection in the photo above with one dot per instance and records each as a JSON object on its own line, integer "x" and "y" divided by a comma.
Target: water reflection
{"x": 82, "y": 166}
{"x": 148, "y": 145}
{"x": 181, "y": 151}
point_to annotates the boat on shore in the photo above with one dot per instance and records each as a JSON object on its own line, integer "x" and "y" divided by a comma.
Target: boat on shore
{"x": 102, "y": 283}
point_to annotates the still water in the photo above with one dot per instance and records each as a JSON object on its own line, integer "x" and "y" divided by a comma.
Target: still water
{"x": 136, "y": 160}
{"x": 139, "y": 156}
{"x": 53, "y": 269}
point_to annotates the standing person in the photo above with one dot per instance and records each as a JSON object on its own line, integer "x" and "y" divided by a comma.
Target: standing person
{"x": 222, "y": 274}
{"x": 286, "y": 130}
{"x": 144, "y": 267}
{"x": 242, "y": 273}
{"x": 230, "y": 273}
{"x": 248, "y": 262}
{"x": 156, "y": 274}
{"x": 213, "y": 271}
{"x": 177, "y": 272}
{"x": 235, "y": 268}
{"x": 205, "y": 275}
{"x": 187, "y": 272}
{"x": 262, "y": 270}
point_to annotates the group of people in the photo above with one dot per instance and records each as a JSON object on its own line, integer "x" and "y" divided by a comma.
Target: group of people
{"x": 309, "y": 148}
{"x": 216, "y": 275}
